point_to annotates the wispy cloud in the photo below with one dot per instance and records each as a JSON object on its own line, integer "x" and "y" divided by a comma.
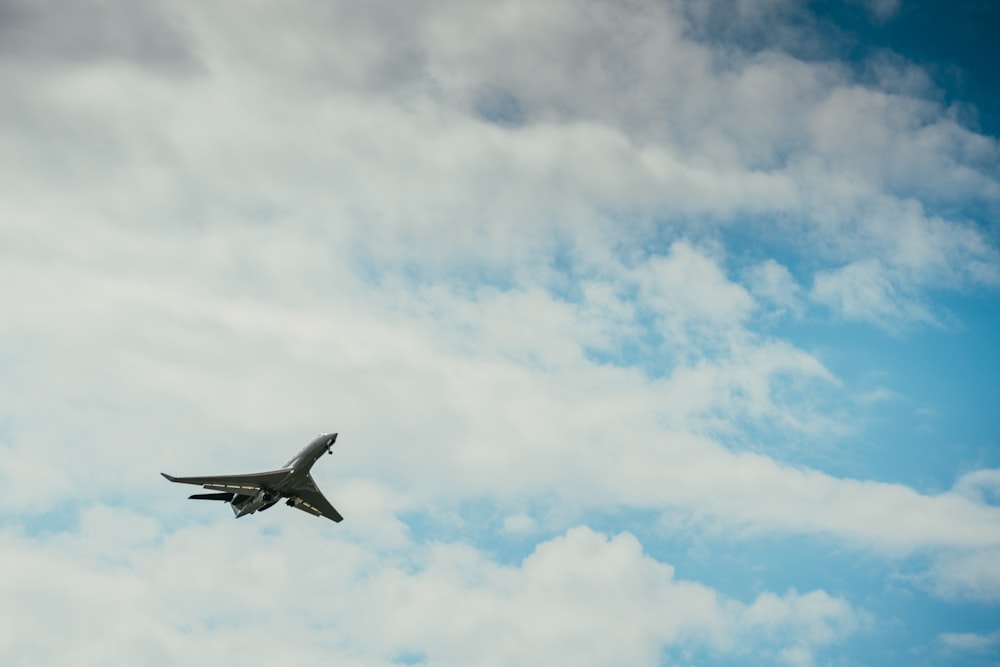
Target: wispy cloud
{"x": 969, "y": 641}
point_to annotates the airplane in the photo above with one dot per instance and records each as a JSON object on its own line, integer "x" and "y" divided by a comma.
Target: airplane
{"x": 258, "y": 491}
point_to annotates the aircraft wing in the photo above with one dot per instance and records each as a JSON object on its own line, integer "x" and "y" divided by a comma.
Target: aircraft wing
{"x": 234, "y": 483}
{"x": 314, "y": 502}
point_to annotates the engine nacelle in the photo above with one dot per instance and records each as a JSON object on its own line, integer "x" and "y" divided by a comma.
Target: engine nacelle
{"x": 243, "y": 505}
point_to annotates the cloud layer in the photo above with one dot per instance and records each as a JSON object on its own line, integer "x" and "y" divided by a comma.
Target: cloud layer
{"x": 543, "y": 258}
{"x": 117, "y": 599}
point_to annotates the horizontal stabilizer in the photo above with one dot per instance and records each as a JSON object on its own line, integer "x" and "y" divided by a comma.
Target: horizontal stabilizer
{"x": 227, "y": 497}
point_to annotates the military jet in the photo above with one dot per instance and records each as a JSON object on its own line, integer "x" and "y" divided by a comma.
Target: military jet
{"x": 258, "y": 491}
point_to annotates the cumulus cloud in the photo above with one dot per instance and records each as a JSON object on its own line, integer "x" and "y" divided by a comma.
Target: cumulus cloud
{"x": 473, "y": 399}
{"x": 651, "y": 124}
{"x": 151, "y": 596}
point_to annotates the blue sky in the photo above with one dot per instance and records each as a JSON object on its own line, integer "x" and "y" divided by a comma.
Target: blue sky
{"x": 656, "y": 333}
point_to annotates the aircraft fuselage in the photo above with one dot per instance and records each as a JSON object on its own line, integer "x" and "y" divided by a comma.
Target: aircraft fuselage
{"x": 256, "y": 492}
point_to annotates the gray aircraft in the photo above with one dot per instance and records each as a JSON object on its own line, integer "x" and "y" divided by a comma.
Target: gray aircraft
{"x": 258, "y": 491}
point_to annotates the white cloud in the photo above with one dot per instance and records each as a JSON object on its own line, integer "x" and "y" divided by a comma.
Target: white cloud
{"x": 982, "y": 485}
{"x": 774, "y": 283}
{"x": 519, "y": 523}
{"x": 472, "y": 411}
{"x": 917, "y": 253}
{"x": 648, "y": 124}
{"x": 878, "y": 395}
{"x": 685, "y": 288}
{"x": 865, "y": 291}
{"x": 124, "y": 595}
{"x": 969, "y": 641}
{"x": 962, "y": 575}
{"x": 882, "y": 9}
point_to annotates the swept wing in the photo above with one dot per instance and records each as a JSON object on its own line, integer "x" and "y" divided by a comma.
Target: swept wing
{"x": 241, "y": 484}
{"x": 309, "y": 498}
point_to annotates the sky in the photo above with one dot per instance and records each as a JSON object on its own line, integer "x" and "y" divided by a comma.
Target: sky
{"x": 656, "y": 333}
